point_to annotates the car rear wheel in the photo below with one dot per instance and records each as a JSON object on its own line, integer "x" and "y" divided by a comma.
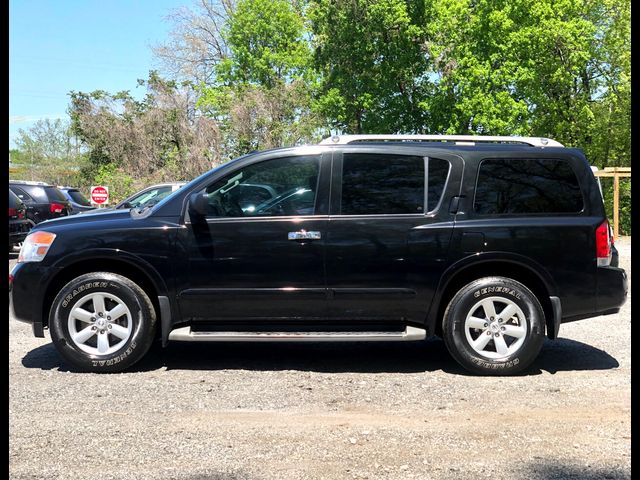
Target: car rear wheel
{"x": 494, "y": 326}
{"x": 102, "y": 322}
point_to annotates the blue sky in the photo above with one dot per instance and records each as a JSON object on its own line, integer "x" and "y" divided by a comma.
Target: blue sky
{"x": 56, "y": 46}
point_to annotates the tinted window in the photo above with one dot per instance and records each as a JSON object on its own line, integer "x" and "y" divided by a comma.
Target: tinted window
{"x": 382, "y": 184}
{"x": 21, "y": 194}
{"x": 527, "y": 186}
{"x": 55, "y": 195}
{"x": 282, "y": 186}
{"x": 14, "y": 201}
{"x": 79, "y": 198}
{"x": 36, "y": 192}
{"x": 438, "y": 172}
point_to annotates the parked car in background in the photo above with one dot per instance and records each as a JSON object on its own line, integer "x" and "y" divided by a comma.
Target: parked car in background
{"x": 150, "y": 195}
{"x": 78, "y": 201}
{"x": 146, "y": 197}
{"x": 43, "y": 201}
{"x": 19, "y": 224}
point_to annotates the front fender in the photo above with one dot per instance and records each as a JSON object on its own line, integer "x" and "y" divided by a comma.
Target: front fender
{"x": 131, "y": 259}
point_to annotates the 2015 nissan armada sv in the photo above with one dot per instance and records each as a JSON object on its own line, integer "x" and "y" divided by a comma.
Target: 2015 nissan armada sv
{"x": 489, "y": 242}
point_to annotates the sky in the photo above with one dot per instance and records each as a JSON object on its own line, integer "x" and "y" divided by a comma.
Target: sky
{"x": 57, "y": 46}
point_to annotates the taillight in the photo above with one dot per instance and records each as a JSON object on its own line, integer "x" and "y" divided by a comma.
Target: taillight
{"x": 56, "y": 208}
{"x": 603, "y": 244}
{"x": 13, "y": 212}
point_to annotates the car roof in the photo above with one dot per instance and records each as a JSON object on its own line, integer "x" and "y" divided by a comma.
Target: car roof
{"x": 29, "y": 182}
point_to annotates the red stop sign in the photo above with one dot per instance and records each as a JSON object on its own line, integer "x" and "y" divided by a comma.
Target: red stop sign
{"x": 99, "y": 195}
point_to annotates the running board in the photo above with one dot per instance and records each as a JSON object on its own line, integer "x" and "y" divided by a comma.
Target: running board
{"x": 187, "y": 335}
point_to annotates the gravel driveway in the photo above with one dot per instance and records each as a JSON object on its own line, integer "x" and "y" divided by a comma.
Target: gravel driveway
{"x": 326, "y": 411}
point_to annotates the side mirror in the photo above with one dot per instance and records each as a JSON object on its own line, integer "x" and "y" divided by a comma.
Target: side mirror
{"x": 198, "y": 204}
{"x": 126, "y": 205}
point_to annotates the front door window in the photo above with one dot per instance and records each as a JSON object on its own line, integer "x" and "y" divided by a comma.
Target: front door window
{"x": 279, "y": 187}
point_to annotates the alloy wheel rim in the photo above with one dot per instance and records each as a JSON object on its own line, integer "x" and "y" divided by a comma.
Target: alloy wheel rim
{"x": 100, "y": 324}
{"x": 495, "y": 327}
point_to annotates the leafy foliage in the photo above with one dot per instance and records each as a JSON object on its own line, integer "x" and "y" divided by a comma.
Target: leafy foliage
{"x": 261, "y": 96}
{"x": 47, "y": 152}
{"x": 161, "y": 137}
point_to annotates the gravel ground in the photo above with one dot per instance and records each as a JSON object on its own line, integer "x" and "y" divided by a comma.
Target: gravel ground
{"x": 326, "y": 411}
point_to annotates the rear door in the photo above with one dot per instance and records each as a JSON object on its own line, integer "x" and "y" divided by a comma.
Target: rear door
{"x": 389, "y": 231}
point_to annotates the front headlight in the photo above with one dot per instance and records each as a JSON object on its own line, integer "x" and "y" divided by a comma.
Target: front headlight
{"x": 35, "y": 246}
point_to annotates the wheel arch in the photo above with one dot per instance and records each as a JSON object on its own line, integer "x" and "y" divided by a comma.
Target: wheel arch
{"x": 466, "y": 271}
{"x": 146, "y": 278}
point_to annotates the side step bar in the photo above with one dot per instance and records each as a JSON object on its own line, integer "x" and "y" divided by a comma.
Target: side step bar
{"x": 187, "y": 335}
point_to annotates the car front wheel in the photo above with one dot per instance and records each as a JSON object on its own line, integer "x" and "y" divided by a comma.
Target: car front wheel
{"x": 102, "y": 322}
{"x": 494, "y": 326}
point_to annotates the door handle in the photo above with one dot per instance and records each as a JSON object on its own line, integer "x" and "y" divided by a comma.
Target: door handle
{"x": 304, "y": 235}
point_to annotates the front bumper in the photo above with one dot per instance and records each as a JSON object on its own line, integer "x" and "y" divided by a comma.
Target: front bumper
{"x": 27, "y": 287}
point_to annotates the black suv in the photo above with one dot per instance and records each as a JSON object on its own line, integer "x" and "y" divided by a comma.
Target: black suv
{"x": 489, "y": 242}
{"x": 43, "y": 201}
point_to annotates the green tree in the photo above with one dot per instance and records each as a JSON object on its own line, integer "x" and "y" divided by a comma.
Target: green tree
{"x": 261, "y": 95}
{"x": 374, "y": 74}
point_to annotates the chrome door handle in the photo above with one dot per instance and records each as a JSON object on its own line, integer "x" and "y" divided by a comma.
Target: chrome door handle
{"x": 304, "y": 235}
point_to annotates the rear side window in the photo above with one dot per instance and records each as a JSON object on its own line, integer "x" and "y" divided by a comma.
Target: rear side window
{"x": 391, "y": 184}
{"x": 21, "y": 194}
{"x": 382, "y": 184}
{"x": 526, "y": 186}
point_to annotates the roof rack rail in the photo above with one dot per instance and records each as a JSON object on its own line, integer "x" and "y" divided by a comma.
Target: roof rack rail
{"x": 458, "y": 139}
{"x": 30, "y": 182}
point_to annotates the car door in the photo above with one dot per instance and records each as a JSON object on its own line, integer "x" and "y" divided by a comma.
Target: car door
{"x": 389, "y": 231}
{"x": 260, "y": 259}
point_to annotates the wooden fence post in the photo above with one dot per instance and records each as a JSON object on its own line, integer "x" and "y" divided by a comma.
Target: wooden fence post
{"x": 616, "y": 173}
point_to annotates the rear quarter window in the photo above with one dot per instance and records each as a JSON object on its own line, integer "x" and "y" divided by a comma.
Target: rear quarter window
{"x": 79, "y": 198}
{"x": 14, "y": 201}
{"x": 55, "y": 195}
{"x": 21, "y": 194}
{"x": 527, "y": 187}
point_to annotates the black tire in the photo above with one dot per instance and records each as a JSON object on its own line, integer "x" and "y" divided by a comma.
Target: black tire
{"x": 128, "y": 337}
{"x": 492, "y": 359}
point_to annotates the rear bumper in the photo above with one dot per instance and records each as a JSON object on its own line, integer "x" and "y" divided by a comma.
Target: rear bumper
{"x": 612, "y": 289}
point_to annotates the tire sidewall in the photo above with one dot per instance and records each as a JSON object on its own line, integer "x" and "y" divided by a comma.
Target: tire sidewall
{"x": 470, "y": 295}
{"x": 142, "y": 313}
